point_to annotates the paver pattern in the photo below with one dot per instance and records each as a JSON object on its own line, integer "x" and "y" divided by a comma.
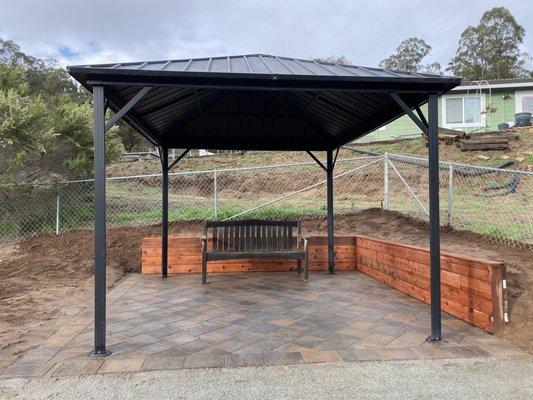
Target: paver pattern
{"x": 254, "y": 319}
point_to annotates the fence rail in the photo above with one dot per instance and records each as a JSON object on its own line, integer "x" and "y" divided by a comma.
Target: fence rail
{"x": 493, "y": 202}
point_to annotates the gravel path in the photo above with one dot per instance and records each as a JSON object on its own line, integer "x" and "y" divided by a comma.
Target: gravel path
{"x": 439, "y": 379}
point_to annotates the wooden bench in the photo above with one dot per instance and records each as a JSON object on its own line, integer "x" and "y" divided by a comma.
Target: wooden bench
{"x": 248, "y": 239}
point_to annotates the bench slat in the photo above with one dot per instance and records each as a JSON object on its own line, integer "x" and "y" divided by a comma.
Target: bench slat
{"x": 237, "y": 239}
{"x": 225, "y": 244}
{"x": 263, "y": 237}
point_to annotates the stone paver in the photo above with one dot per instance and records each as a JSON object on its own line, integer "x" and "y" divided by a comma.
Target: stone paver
{"x": 254, "y": 319}
{"x": 319, "y": 356}
{"x": 156, "y": 364}
{"x": 122, "y": 364}
{"x": 79, "y": 366}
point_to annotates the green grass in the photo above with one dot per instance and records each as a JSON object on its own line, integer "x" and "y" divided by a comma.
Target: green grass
{"x": 6, "y": 228}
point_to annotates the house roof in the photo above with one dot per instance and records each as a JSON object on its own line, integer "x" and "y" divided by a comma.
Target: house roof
{"x": 514, "y": 83}
{"x": 258, "y": 101}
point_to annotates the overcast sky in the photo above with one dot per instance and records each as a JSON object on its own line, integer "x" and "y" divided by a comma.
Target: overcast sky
{"x": 96, "y": 31}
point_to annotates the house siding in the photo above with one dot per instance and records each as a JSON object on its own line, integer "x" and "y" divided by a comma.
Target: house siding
{"x": 502, "y": 99}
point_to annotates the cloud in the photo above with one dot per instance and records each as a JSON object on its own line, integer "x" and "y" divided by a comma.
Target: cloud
{"x": 97, "y": 31}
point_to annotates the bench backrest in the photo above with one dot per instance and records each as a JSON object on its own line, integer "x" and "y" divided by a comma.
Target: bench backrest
{"x": 252, "y": 235}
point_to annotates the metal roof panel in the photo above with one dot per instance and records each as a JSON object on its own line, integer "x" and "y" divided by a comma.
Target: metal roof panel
{"x": 259, "y": 63}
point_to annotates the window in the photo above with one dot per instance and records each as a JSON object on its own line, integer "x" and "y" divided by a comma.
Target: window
{"x": 463, "y": 110}
{"x": 524, "y": 101}
{"x": 454, "y": 111}
{"x": 472, "y": 109}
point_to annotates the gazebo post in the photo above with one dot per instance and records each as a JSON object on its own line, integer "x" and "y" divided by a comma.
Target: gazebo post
{"x": 163, "y": 152}
{"x": 99, "y": 222}
{"x": 163, "y": 155}
{"x": 330, "y": 163}
{"x": 434, "y": 223}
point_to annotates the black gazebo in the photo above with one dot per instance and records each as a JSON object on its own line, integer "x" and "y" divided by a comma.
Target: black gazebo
{"x": 256, "y": 102}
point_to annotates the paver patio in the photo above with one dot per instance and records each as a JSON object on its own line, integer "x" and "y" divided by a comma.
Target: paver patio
{"x": 254, "y": 319}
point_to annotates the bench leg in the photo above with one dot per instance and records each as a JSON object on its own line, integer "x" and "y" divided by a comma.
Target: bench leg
{"x": 299, "y": 267}
{"x": 204, "y": 270}
{"x": 306, "y": 267}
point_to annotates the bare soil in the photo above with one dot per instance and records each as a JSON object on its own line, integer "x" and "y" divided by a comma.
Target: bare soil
{"x": 46, "y": 280}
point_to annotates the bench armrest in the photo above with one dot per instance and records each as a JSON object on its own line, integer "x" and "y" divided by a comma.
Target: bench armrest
{"x": 305, "y": 238}
{"x": 203, "y": 238}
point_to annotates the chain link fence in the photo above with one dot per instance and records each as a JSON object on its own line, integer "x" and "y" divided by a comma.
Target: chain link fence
{"x": 493, "y": 202}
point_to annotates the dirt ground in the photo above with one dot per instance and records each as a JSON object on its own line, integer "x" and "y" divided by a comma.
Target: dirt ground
{"x": 46, "y": 280}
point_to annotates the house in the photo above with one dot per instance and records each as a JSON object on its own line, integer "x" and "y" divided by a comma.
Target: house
{"x": 473, "y": 106}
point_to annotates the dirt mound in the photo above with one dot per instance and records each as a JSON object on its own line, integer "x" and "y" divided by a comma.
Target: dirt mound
{"x": 47, "y": 279}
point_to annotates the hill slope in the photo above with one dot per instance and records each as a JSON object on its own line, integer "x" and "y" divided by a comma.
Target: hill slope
{"x": 521, "y": 150}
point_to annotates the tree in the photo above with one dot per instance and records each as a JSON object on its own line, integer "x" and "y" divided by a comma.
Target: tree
{"x": 73, "y": 129}
{"x": 408, "y": 57}
{"x": 491, "y": 50}
{"x": 21, "y": 121}
{"x": 45, "y": 120}
{"x": 131, "y": 139}
{"x": 10, "y": 53}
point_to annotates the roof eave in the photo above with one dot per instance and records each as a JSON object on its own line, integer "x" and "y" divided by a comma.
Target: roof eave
{"x": 90, "y": 76}
{"x": 78, "y": 70}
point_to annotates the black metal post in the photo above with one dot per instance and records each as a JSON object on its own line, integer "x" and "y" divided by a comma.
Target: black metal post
{"x": 434, "y": 223}
{"x": 164, "y": 212}
{"x": 99, "y": 222}
{"x": 329, "y": 184}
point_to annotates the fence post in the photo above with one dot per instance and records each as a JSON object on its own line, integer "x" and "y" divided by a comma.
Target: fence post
{"x": 450, "y": 193}
{"x": 215, "y": 191}
{"x": 57, "y": 214}
{"x": 386, "y": 181}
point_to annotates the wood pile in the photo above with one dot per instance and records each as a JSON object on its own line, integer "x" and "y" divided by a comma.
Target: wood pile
{"x": 450, "y": 134}
{"x": 493, "y": 140}
{"x": 484, "y": 143}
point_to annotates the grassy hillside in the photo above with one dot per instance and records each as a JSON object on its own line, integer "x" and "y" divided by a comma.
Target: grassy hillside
{"x": 521, "y": 150}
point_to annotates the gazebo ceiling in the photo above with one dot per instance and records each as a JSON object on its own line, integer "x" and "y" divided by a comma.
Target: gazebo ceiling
{"x": 258, "y": 102}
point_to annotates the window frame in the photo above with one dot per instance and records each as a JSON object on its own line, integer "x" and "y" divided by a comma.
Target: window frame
{"x": 518, "y": 96}
{"x": 463, "y": 124}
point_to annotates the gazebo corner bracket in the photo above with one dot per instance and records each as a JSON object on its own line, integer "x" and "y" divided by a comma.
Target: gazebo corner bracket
{"x": 421, "y": 123}
{"x": 317, "y": 160}
{"x": 177, "y": 160}
{"x": 127, "y": 107}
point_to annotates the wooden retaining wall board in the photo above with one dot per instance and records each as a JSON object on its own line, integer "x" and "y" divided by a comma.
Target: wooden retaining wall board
{"x": 185, "y": 256}
{"x": 471, "y": 288}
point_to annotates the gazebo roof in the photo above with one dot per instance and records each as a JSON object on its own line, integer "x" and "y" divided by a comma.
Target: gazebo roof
{"x": 258, "y": 102}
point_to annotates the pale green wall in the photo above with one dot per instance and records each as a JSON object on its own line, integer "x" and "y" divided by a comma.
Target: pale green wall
{"x": 404, "y": 126}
